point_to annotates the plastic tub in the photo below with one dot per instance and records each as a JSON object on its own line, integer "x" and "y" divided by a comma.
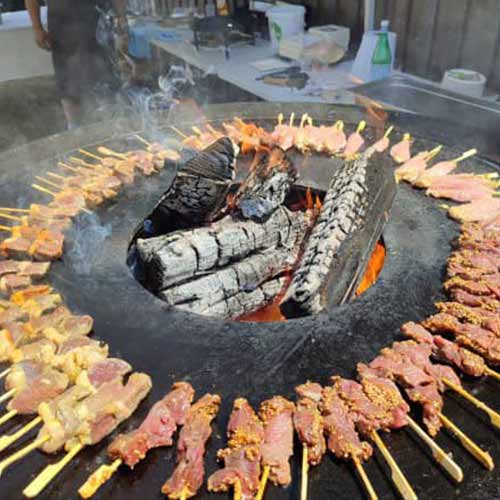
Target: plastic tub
{"x": 284, "y": 22}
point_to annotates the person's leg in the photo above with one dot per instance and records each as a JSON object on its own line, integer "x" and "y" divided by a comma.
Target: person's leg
{"x": 72, "y": 112}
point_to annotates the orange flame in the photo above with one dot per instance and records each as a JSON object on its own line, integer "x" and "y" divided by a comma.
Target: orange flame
{"x": 373, "y": 269}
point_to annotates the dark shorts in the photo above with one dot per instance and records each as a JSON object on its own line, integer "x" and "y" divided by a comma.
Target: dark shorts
{"x": 78, "y": 59}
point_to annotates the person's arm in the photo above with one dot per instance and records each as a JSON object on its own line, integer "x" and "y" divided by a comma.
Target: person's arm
{"x": 42, "y": 37}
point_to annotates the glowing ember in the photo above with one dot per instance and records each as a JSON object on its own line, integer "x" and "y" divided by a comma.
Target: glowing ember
{"x": 373, "y": 269}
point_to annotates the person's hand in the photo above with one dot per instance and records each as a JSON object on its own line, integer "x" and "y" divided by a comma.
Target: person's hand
{"x": 43, "y": 39}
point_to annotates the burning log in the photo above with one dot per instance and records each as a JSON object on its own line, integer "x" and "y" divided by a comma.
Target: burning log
{"x": 198, "y": 190}
{"x": 172, "y": 259}
{"x": 203, "y": 294}
{"x": 342, "y": 213}
{"x": 267, "y": 185}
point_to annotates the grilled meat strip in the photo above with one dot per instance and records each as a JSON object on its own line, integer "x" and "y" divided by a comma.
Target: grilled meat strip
{"x": 467, "y": 299}
{"x": 243, "y": 455}
{"x": 276, "y": 414}
{"x": 189, "y": 471}
{"x": 157, "y": 428}
{"x": 445, "y": 350}
{"x": 474, "y": 315}
{"x": 343, "y": 440}
{"x": 308, "y": 421}
{"x": 481, "y": 341}
{"x": 488, "y": 284}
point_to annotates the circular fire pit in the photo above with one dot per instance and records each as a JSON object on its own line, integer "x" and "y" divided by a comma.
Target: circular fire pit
{"x": 254, "y": 360}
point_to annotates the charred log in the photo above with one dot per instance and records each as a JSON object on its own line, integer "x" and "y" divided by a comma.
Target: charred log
{"x": 244, "y": 302}
{"x": 342, "y": 213}
{"x": 266, "y": 186}
{"x": 181, "y": 256}
{"x": 198, "y": 190}
{"x": 203, "y": 294}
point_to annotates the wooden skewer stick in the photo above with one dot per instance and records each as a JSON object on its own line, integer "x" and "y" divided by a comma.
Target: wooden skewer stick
{"x": 67, "y": 167}
{"x": 10, "y": 209}
{"x": 370, "y": 490}
{"x": 15, "y": 457}
{"x": 98, "y": 478}
{"x": 49, "y": 473}
{"x": 339, "y": 125}
{"x": 303, "y": 120}
{"x": 478, "y": 453}
{"x": 263, "y": 482}
{"x": 438, "y": 453}
{"x": 7, "y": 395}
{"x": 406, "y": 137}
{"x": 57, "y": 176}
{"x": 49, "y": 183}
{"x": 492, "y": 373}
{"x": 5, "y": 373}
{"x": 494, "y": 416}
{"x": 6, "y": 228}
{"x": 11, "y": 217}
{"x": 237, "y": 490}
{"x": 43, "y": 189}
{"x": 388, "y": 131}
{"x": 398, "y": 477}
{"x": 83, "y": 163}
{"x": 6, "y": 441}
{"x": 9, "y": 415}
{"x": 466, "y": 155}
{"x": 433, "y": 152}
{"x": 361, "y": 126}
{"x": 309, "y": 121}
{"x": 110, "y": 152}
{"x": 90, "y": 155}
{"x": 280, "y": 119}
{"x": 196, "y": 130}
{"x": 305, "y": 473}
{"x": 292, "y": 119}
{"x": 141, "y": 139}
{"x": 177, "y": 131}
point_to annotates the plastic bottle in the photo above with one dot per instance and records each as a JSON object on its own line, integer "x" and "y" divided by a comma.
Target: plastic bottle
{"x": 382, "y": 57}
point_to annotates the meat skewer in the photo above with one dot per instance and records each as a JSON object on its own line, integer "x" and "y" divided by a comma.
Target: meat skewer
{"x": 156, "y": 430}
{"x": 88, "y": 381}
{"x": 411, "y": 168}
{"x": 188, "y": 474}
{"x": 354, "y": 142}
{"x": 382, "y": 144}
{"x": 308, "y": 424}
{"x": 276, "y": 414}
{"x": 343, "y": 440}
{"x": 242, "y": 456}
{"x": 400, "y": 152}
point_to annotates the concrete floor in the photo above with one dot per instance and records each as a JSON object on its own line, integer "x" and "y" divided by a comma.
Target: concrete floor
{"x": 29, "y": 110}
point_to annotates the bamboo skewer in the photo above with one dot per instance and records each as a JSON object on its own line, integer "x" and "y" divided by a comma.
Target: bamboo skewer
{"x": 177, "y": 131}
{"x": 388, "y": 132}
{"x": 280, "y": 119}
{"x": 10, "y": 209}
{"x": 292, "y": 119}
{"x": 43, "y": 190}
{"x": 479, "y": 454}
{"x": 49, "y": 473}
{"x": 263, "y": 482}
{"x": 7, "y": 395}
{"x": 492, "y": 373}
{"x": 464, "y": 156}
{"x": 433, "y": 152}
{"x": 339, "y": 125}
{"x": 237, "y": 490}
{"x": 11, "y": 217}
{"x": 453, "y": 469}
{"x": 49, "y": 183}
{"x": 141, "y": 139}
{"x": 361, "y": 127}
{"x": 15, "y": 457}
{"x": 370, "y": 490}
{"x": 5, "y": 373}
{"x": 110, "y": 152}
{"x": 304, "y": 474}
{"x": 398, "y": 477}
{"x": 57, "y": 176}
{"x": 196, "y": 130}
{"x": 90, "y": 155}
{"x": 6, "y": 441}
{"x": 9, "y": 415}
{"x": 67, "y": 167}
{"x": 494, "y": 416}
{"x": 303, "y": 120}
{"x": 98, "y": 478}
{"x": 6, "y": 228}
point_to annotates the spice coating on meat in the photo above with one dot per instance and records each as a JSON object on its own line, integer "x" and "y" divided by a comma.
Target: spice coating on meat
{"x": 190, "y": 469}
{"x": 276, "y": 414}
{"x": 308, "y": 421}
{"x": 343, "y": 440}
{"x": 157, "y": 428}
{"x": 243, "y": 455}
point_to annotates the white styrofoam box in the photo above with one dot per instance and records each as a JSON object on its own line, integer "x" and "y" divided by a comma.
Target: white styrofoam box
{"x": 338, "y": 34}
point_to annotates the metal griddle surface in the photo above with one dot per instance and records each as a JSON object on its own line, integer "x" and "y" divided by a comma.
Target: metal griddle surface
{"x": 252, "y": 360}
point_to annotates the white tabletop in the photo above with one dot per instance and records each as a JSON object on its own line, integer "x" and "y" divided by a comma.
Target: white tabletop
{"x": 19, "y": 20}
{"x": 329, "y": 85}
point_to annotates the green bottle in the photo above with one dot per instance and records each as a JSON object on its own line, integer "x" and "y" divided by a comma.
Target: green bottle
{"x": 382, "y": 57}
